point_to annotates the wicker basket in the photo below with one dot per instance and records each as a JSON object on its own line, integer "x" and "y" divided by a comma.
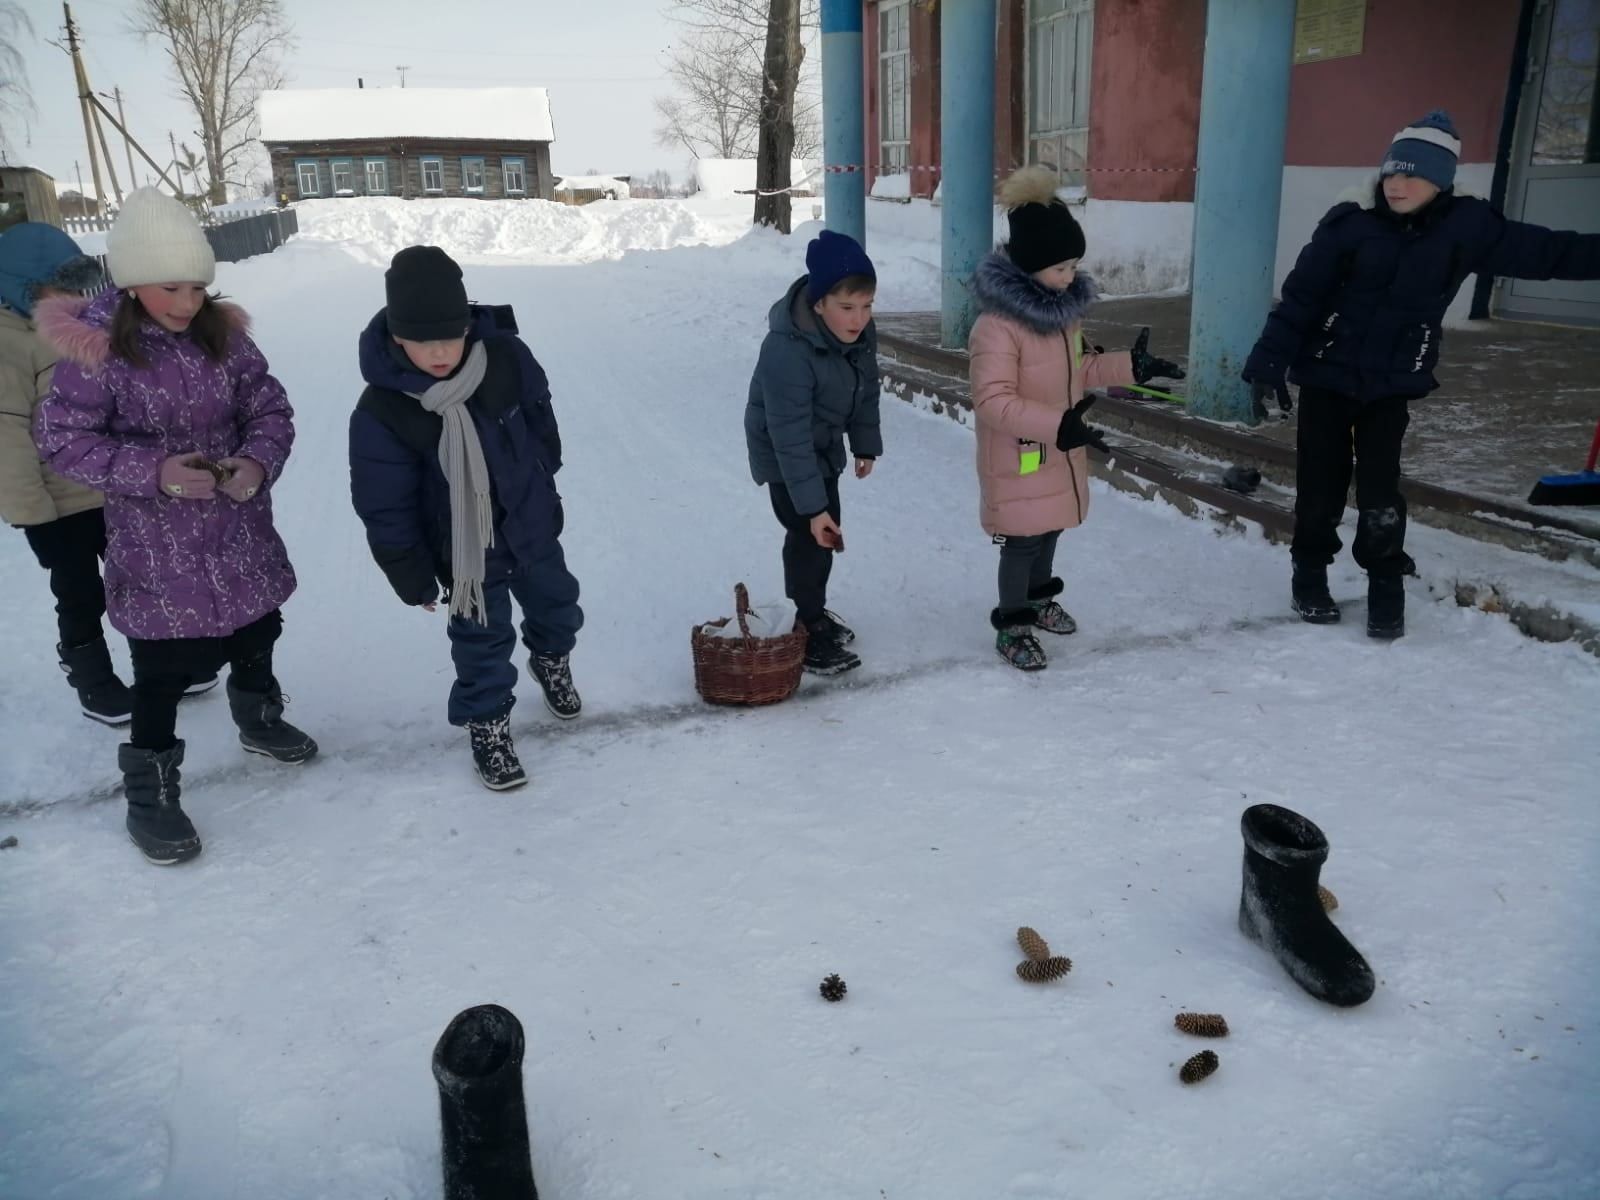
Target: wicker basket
{"x": 747, "y": 670}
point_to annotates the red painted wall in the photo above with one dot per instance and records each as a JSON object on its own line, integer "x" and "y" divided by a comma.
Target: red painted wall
{"x": 1415, "y": 57}
{"x": 1144, "y": 99}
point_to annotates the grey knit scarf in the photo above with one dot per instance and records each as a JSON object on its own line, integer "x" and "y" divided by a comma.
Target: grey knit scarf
{"x": 461, "y": 457}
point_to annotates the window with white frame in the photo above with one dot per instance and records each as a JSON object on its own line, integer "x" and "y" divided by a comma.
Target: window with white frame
{"x": 1060, "y": 40}
{"x": 516, "y": 177}
{"x": 433, "y": 174}
{"x": 472, "y": 174}
{"x": 377, "y": 176}
{"x": 344, "y": 177}
{"x": 306, "y": 173}
{"x": 894, "y": 87}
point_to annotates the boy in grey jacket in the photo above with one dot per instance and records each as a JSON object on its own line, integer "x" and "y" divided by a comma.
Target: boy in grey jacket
{"x": 815, "y": 383}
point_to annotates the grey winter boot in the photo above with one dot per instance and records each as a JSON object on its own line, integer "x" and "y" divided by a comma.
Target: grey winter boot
{"x": 157, "y": 823}
{"x": 262, "y": 729}
{"x": 102, "y": 696}
{"x": 1014, "y": 640}
{"x": 1279, "y": 906}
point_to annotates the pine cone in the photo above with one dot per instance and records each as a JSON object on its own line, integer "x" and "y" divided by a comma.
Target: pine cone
{"x": 1034, "y": 946}
{"x": 1329, "y": 900}
{"x": 1202, "y": 1024}
{"x": 1197, "y": 1068}
{"x": 833, "y": 988}
{"x": 1043, "y": 971}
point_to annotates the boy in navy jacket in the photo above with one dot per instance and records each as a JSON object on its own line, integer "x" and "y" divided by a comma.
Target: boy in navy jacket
{"x": 1358, "y": 329}
{"x": 453, "y": 454}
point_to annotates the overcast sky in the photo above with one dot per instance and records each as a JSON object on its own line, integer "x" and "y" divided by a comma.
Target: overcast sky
{"x": 601, "y": 59}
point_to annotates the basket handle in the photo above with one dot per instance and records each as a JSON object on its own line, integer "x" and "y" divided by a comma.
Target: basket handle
{"x": 741, "y": 610}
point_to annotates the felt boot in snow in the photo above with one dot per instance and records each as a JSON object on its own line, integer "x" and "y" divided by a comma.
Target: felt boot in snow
{"x": 483, "y": 1118}
{"x": 1279, "y": 906}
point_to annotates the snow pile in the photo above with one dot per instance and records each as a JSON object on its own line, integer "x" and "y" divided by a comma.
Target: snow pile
{"x": 506, "y": 114}
{"x": 535, "y": 231}
{"x": 892, "y": 187}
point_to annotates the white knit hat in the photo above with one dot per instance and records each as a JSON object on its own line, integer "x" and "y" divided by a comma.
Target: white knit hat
{"x": 155, "y": 239}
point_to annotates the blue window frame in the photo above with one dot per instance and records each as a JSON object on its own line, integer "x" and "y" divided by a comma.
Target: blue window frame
{"x": 344, "y": 176}
{"x": 307, "y": 176}
{"x": 377, "y": 170}
{"x": 432, "y": 173}
{"x": 472, "y": 175}
{"x": 515, "y": 172}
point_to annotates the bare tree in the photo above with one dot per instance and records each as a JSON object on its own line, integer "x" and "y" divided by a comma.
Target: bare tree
{"x": 226, "y": 53}
{"x": 780, "y": 78}
{"x": 16, "y": 97}
{"x": 718, "y": 72}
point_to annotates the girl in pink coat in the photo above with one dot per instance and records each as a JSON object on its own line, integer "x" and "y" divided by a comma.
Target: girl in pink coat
{"x": 1030, "y": 368}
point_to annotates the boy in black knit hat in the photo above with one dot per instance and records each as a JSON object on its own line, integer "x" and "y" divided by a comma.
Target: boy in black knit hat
{"x": 453, "y": 455}
{"x": 817, "y": 383}
{"x": 1358, "y": 329}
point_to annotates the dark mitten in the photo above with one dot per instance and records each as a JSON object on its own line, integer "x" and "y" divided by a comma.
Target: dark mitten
{"x": 1073, "y": 432}
{"x": 1146, "y": 366}
{"x": 1268, "y": 382}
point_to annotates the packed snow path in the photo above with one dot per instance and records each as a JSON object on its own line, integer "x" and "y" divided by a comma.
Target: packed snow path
{"x": 660, "y": 904}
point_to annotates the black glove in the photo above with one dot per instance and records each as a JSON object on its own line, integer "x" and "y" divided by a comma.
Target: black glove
{"x": 1073, "y": 432}
{"x": 1146, "y": 366}
{"x": 1268, "y": 383}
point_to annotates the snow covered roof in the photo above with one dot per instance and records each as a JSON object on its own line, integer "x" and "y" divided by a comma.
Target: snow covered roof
{"x": 502, "y": 114}
{"x": 727, "y": 176}
{"x": 592, "y": 183}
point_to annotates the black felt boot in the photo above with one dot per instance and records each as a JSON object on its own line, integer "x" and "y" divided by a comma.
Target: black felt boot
{"x": 1279, "y": 906}
{"x": 483, "y": 1120}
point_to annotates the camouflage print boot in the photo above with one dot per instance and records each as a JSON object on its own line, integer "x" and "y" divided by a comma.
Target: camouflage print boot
{"x": 1048, "y": 615}
{"x": 1014, "y": 640}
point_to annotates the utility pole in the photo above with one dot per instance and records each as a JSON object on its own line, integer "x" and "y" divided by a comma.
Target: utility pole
{"x": 402, "y": 71}
{"x": 127, "y": 142}
{"x": 83, "y": 102}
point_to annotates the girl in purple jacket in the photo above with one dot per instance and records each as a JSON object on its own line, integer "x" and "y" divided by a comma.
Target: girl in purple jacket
{"x": 163, "y": 402}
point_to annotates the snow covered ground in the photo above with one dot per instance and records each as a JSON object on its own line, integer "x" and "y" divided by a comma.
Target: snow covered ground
{"x": 660, "y": 904}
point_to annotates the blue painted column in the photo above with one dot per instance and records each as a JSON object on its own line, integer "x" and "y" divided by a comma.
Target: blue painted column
{"x": 966, "y": 156}
{"x": 1244, "y": 115}
{"x": 843, "y": 120}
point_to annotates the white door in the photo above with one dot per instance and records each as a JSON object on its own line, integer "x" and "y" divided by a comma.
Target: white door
{"x": 1555, "y": 163}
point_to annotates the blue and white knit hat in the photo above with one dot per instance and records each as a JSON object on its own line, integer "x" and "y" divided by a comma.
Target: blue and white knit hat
{"x": 1428, "y": 149}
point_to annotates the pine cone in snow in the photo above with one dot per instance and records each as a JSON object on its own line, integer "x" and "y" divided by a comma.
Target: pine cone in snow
{"x": 833, "y": 988}
{"x": 1197, "y": 1068}
{"x": 1202, "y": 1024}
{"x": 1043, "y": 971}
{"x": 1329, "y": 900}
{"x": 1034, "y": 946}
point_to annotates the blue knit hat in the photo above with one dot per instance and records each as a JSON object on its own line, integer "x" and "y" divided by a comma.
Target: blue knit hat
{"x": 1428, "y": 149}
{"x": 34, "y": 255}
{"x": 833, "y": 258}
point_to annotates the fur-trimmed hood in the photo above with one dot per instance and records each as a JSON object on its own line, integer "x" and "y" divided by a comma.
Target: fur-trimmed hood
{"x": 79, "y": 330}
{"x": 1005, "y": 289}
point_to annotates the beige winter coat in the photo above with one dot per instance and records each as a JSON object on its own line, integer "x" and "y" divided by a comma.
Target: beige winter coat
{"x": 1028, "y": 366}
{"x": 30, "y": 494}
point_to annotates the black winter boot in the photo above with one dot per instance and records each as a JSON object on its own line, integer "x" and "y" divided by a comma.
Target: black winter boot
{"x": 1048, "y": 614}
{"x": 1014, "y": 640}
{"x": 156, "y": 822}
{"x": 494, "y": 755}
{"x": 483, "y": 1119}
{"x": 262, "y": 729}
{"x": 1311, "y": 598}
{"x": 102, "y": 696}
{"x": 843, "y": 632}
{"x": 1279, "y": 906}
{"x": 1386, "y": 607}
{"x": 825, "y": 651}
{"x": 553, "y": 674}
